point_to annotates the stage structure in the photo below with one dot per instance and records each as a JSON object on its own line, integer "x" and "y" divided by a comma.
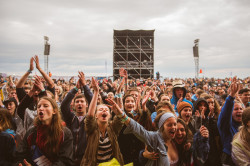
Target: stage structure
{"x": 134, "y": 51}
{"x": 46, "y": 54}
{"x": 196, "y": 57}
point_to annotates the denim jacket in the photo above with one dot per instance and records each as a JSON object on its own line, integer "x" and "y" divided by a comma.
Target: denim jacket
{"x": 153, "y": 140}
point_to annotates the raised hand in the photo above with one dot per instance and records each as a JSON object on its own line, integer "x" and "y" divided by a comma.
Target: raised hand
{"x": 211, "y": 113}
{"x": 116, "y": 109}
{"x": 204, "y": 132}
{"x": 144, "y": 102}
{"x": 38, "y": 83}
{"x": 36, "y": 59}
{"x": 137, "y": 104}
{"x": 31, "y": 64}
{"x": 123, "y": 73}
{"x": 187, "y": 146}
{"x": 234, "y": 87}
{"x": 203, "y": 113}
{"x": 197, "y": 113}
{"x": 94, "y": 84}
{"x": 78, "y": 84}
{"x": 82, "y": 78}
{"x": 179, "y": 101}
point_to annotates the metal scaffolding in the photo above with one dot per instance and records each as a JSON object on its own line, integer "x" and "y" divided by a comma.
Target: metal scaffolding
{"x": 134, "y": 51}
{"x": 46, "y": 54}
{"x": 196, "y": 57}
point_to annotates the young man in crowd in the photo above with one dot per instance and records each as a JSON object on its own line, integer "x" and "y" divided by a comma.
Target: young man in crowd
{"x": 75, "y": 120}
{"x": 244, "y": 95}
{"x": 179, "y": 93}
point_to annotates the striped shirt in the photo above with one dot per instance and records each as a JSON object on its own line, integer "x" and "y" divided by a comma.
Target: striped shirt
{"x": 104, "y": 152}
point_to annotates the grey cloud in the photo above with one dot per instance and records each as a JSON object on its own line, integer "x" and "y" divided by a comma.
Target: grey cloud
{"x": 81, "y": 34}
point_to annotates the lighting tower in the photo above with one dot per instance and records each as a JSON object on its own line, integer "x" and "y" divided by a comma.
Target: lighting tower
{"x": 196, "y": 57}
{"x": 46, "y": 54}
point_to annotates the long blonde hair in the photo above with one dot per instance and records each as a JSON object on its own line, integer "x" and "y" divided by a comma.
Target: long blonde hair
{"x": 244, "y": 135}
{"x": 55, "y": 129}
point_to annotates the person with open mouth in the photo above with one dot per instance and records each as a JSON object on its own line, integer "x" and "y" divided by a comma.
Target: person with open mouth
{"x": 130, "y": 145}
{"x": 240, "y": 143}
{"x": 48, "y": 142}
{"x": 229, "y": 121}
{"x": 102, "y": 133}
{"x": 160, "y": 141}
{"x": 199, "y": 152}
{"x": 75, "y": 119}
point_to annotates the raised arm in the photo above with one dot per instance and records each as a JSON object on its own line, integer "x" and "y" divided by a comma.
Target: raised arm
{"x": 225, "y": 117}
{"x": 124, "y": 74}
{"x": 25, "y": 102}
{"x": 87, "y": 92}
{"x": 92, "y": 106}
{"x": 22, "y": 80}
{"x": 119, "y": 94}
{"x": 65, "y": 106}
{"x": 45, "y": 76}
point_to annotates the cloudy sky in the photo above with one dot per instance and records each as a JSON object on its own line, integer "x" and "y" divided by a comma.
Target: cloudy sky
{"x": 81, "y": 34}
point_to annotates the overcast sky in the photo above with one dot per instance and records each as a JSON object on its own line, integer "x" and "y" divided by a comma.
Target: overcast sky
{"x": 81, "y": 34}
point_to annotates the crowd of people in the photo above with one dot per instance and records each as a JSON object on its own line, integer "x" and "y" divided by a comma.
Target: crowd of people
{"x": 88, "y": 122}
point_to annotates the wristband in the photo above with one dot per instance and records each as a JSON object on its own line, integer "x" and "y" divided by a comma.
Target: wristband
{"x": 119, "y": 95}
{"x": 134, "y": 113}
{"x": 29, "y": 71}
{"x": 149, "y": 99}
{"x": 43, "y": 90}
{"x": 76, "y": 88}
{"x": 125, "y": 119}
{"x": 121, "y": 115}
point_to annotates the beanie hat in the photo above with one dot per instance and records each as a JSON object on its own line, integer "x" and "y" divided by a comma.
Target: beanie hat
{"x": 182, "y": 105}
{"x": 164, "y": 117}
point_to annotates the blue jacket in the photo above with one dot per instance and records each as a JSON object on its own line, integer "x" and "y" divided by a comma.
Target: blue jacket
{"x": 226, "y": 125}
{"x": 174, "y": 101}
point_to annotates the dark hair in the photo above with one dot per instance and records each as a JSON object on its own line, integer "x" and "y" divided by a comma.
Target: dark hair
{"x": 224, "y": 96}
{"x": 179, "y": 120}
{"x": 216, "y": 106}
{"x": 244, "y": 90}
{"x": 126, "y": 96}
{"x": 80, "y": 96}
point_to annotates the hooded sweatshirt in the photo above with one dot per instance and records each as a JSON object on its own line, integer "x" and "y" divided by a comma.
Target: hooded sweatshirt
{"x": 210, "y": 124}
{"x": 174, "y": 100}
